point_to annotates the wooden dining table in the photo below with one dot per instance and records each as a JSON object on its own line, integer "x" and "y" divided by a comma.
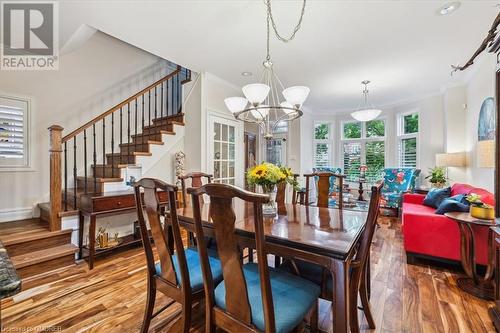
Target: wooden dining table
{"x": 324, "y": 236}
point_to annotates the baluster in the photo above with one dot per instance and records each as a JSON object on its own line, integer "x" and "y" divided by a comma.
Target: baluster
{"x": 103, "y": 147}
{"x": 172, "y": 96}
{"x": 149, "y": 112}
{"x": 121, "y": 139}
{"x": 66, "y": 176}
{"x": 85, "y": 160}
{"x": 74, "y": 173}
{"x": 112, "y": 143}
{"x": 135, "y": 122}
{"x": 95, "y": 157}
{"x": 128, "y": 133}
{"x": 156, "y": 104}
{"x": 178, "y": 95}
{"x": 167, "y": 97}
{"x": 142, "y": 136}
{"x": 161, "y": 107}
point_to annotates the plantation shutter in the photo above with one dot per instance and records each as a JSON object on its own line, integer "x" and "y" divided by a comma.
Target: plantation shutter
{"x": 408, "y": 153}
{"x": 322, "y": 155}
{"x": 375, "y": 160}
{"x": 13, "y": 133}
{"x": 352, "y": 159}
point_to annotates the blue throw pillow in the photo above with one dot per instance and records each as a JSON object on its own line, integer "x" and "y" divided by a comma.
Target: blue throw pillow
{"x": 460, "y": 198}
{"x": 436, "y": 196}
{"x": 450, "y": 205}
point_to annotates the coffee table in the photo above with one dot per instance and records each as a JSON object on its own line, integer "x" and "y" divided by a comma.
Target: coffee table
{"x": 481, "y": 287}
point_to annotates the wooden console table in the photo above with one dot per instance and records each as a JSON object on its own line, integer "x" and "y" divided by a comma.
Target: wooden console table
{"x": 106, "y": 204}
{"x": 495, "y": 310}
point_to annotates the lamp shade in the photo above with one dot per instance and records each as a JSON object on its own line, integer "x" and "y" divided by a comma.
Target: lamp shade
{"x": 256, "y": 93}
{"x": 451, "y": 159}
{"x": 236, "y": 104}
{"x": 296, "y": 95}
{"x": 288, "y": 107}
{"x": 260, "y": 113}
{"x": 366, "y": 114}
{"x": 486, "y": 154}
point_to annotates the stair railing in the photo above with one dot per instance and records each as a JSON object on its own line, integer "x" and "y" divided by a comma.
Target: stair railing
{"x": 108, "y": 139}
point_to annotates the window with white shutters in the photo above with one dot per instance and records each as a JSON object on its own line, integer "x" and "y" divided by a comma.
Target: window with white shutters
{"x": 408, "y": 129}
{"x": 352, "y": 159}
{"x": 13, "y": 133}
{"x": 322, "y": 145}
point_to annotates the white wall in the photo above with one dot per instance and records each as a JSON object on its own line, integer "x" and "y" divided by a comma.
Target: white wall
{"x": 480, "y": 86}
{"x": 99, "y": 74}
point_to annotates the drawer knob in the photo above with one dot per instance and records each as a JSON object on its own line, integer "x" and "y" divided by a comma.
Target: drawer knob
{"x": 119, "y": 203}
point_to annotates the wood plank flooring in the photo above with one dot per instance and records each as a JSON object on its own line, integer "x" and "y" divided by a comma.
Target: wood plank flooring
{"x": 111, "y": 298}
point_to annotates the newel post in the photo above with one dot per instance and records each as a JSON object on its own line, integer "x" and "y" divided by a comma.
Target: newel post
{"x": 55, "y": 149}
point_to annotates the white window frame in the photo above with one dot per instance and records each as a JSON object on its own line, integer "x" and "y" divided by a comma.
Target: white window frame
{"x": 328, "y": 141}
{"x": 363, "y": 140}
{"x": 17, "y": 101}
{"x": 400, "y": 135}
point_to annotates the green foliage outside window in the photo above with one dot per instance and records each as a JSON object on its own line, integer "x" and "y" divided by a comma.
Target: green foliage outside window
{"x": 375, "y": 128}
{"x": 352, "y": 131}
{"x": 375, "y": 160}
{"x": 321, "y": 131}
{"x": 410, "y": 123}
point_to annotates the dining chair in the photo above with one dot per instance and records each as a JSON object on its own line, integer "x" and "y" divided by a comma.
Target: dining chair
{"x": 178, "y": 273}
{"x": 252, "y": 297}
{"x": 196, "y": 181}
{"x": 326, "y": 183}
{"x": 359, "y": 277}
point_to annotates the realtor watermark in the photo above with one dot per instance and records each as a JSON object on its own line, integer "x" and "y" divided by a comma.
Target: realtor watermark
{"x": 30, "y": 35}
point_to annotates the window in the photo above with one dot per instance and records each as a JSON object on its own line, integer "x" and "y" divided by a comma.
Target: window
{"x": 363, "y": 144}
{"x": 14, "y": 148}
{"x": 408, "y": 129}
{"x": 224, "y": 154}
{"x": 322, "y": 145}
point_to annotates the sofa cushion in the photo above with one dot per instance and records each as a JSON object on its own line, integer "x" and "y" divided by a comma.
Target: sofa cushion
{"x": 486, "y": 196}
{"x": 436, "y": 196}
{"x": 459, "y": 188}
{"x": 417, "y": 209}
{"x": 453, "y": 204}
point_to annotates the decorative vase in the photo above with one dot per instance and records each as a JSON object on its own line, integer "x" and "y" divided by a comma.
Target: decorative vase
{"x": 269, "y": 209}
{"x": 482, "y": 213}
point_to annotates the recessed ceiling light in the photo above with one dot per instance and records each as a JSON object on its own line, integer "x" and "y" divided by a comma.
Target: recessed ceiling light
{"x": 246, "y": 73}
{"x": 448, "y": 8}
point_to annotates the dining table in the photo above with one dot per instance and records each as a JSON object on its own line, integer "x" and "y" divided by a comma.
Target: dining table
{"x": 325, "y": 236}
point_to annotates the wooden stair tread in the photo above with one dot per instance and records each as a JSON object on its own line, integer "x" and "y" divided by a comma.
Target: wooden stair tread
{"x": 71, "y": 212}
{"x": 170, "y": 117}
{"x": 33, "y": 258}
{"x": 100, "y": 180}
{"x": 118, "y": 166}
{"x": 22, "y": 226}
{"x": 32, "y": 236}
{"x": 134, "y": 153}
{"x": 149, "y": 142}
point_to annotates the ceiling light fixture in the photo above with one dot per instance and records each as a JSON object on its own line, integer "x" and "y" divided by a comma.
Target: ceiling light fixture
{"x": 262, "y": 103}
{"x": 449, "y": 8}
{"x": 366, "y": 111}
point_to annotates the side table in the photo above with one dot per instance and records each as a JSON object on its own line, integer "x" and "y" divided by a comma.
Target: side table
{"x": 473, "y": 284}
{"x": 495, "y": 310}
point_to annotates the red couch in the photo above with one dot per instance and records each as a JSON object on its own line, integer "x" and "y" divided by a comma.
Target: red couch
{"x": 427, "y": 234}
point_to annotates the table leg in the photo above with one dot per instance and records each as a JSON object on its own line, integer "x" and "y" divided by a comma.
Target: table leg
{"x": 360, "y": 191}
{"x": 340, "y": 305}
{"x": 92, "y": 226}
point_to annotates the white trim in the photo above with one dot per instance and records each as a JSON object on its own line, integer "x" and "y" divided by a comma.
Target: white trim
{"x": 12, "y": 214}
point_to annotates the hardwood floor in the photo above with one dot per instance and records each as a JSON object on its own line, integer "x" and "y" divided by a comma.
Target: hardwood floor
{"x": 111, "y": 298}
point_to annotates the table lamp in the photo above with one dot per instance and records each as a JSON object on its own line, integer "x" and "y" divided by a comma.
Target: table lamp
{"x": 486, "y": 154}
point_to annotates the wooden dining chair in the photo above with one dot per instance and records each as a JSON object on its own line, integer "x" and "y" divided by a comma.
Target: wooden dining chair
{"x": 178, "y": 274}
{"x": 196, "y": 181}
{"x": 324, "y": 187}
{"x": 359, "y": 278}
{"x": 252, "y": 297}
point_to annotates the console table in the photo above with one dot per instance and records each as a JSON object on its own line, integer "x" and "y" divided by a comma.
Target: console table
{"x": 495, "y": 310}
{"x": 106, "y": 204}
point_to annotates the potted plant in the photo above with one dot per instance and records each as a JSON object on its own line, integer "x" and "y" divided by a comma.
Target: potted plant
{"x": 479, "y": 209}
{"x": 437, "y": 177}
{"x": 268, "y": 175}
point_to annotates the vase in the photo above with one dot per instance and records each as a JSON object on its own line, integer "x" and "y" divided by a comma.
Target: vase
{"x": 482, "y": 213}
{"x": 269, "y": 209}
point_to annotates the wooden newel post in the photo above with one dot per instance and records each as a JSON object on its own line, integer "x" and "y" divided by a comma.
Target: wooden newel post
{"x": 55, "y": 149}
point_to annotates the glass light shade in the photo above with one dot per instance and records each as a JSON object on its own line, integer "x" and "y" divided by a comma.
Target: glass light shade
{"x": 256, "y": 93}
{"x": 366, "y": 114}
{"x": 296, "y": 95}
{"x": 287, "y": 105}
{"x": 261, "y": 113}
{"x": 236, "y": 104}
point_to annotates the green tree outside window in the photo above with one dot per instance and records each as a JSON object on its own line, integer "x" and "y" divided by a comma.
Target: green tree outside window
{"x": 352, "y": 130}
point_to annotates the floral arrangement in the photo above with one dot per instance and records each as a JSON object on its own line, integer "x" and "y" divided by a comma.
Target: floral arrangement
{"x": 475, "y": 200}
{"x": 437, "y": 176}
{"x": 269, "y": 175}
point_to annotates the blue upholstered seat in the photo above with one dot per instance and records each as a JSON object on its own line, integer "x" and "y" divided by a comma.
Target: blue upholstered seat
{"x": 311, "y": 272}
{"x": 194, "y": 268}
{"x": 293, "y": 297}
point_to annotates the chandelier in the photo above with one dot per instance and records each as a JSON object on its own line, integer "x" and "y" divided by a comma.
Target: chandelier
{"x": 262, "y": 103}
{"x": 366, "y": 111}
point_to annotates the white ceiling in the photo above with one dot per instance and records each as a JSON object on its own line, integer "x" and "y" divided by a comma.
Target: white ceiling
{"x": 403, "y": 47}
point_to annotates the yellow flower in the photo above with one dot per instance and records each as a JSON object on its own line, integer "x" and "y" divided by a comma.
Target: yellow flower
{"x": 259, "y": 171}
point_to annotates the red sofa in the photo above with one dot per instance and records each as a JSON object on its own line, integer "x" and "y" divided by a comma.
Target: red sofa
{"x": 427, "y": 234}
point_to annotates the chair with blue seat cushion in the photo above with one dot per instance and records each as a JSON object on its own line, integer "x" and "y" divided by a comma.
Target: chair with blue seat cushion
{"x": 178, "y": 274}
{"x": 252, "y": 297}
{"x": 359, "y": 273}
{"x": 397, "y": 181}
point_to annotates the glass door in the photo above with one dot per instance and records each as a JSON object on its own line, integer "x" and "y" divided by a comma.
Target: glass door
{"x": 224, "y": 153}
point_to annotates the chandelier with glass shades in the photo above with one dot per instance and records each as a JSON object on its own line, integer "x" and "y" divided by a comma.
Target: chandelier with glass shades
{"x": 366, "y": 111}
{"x": 262, "y": 103}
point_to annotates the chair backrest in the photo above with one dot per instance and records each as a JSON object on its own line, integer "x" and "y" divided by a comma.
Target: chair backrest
{"x": 196, "y": 181}
{"x": 323, "y": 187}
{"x": 281, "y": 193}
{"x": 167, "y": 237}
{"x": 400, "y": 179}
{"x": 222, "y": 215}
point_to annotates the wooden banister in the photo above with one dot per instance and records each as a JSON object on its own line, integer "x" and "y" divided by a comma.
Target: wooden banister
{"x": 118, "y": 106}
{"x": 55, "y": 149}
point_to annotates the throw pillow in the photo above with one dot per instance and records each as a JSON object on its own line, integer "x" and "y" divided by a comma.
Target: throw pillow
{"x": 436, "y": 196}
{"x": 450, "y": 205}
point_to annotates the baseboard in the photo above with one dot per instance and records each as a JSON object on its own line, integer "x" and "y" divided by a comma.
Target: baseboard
{"x": 13, "y": 214}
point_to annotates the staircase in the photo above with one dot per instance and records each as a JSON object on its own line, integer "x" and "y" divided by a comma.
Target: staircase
{"x": 93, "y": 159}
